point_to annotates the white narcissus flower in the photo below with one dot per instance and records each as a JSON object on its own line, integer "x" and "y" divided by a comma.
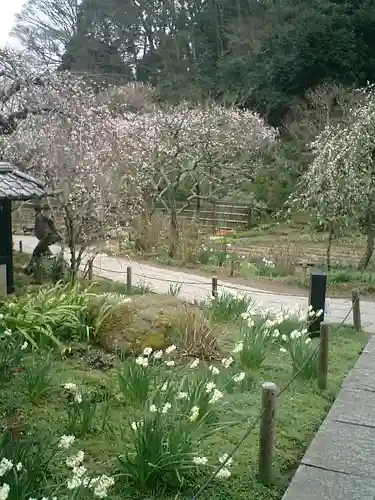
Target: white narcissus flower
{"x": 169, "y": 363}
{"x": 182, "y": 395}
{"x": 75, "y": 460}
{"x": 239, "y": 377}
{"x": 142, "y": 361}
{"x": 5, "y": 466}
{"x": 158, "y": 354}
{"x": 194, "y": 363}
{"x": 170, "y": 349}
{"x": 214, "y": 370}
{"x": 238, "y": 347}
{"x": 153, "y": 409}
{"x": 210, "y": 386}
{"x": 167, "y": 406}
{"x": 225, "y": 460}
{"x": 147, "y": 351}
{"x": 66, "y": 442}
{"x": 215, "y": 396}
{"x": 226, "y": 362}
{"x": 4, "y": 491}
{"x": 200, "y": 460}
{"x": 69, "y": 386}
{"x": 223, "y": 473}
{"x": 194, "y": 414}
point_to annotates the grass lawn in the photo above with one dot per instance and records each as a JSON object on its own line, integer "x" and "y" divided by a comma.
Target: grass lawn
{"x": 34, "y": 399}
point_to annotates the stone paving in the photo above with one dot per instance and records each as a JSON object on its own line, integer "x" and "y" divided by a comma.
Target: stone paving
{"x": 340, "y": 462}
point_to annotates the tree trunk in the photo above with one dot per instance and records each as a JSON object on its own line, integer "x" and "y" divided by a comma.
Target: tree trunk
{"x": 73, "y": 263}
{"x": 174, "y": 236}
{"x": 363, "y": 263}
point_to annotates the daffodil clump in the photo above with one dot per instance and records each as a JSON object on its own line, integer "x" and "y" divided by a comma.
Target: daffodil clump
{"x": 287, "y": 330}
{"x": 173, "y": 419}
{"x": 78, "y": 484}
{"x": 227, "y": 305}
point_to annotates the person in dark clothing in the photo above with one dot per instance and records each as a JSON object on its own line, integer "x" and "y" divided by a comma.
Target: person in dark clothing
{"x": 46, "y": 232}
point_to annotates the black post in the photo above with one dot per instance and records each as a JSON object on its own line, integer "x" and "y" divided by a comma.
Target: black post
{"x": 317, "y": 300}
{"x": 6, "y": 241}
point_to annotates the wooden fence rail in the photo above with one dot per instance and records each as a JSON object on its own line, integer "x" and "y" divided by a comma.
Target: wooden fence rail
{"x": 223, "y": 215}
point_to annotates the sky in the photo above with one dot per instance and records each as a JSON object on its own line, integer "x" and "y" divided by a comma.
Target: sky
{"x": 7, "y": 13}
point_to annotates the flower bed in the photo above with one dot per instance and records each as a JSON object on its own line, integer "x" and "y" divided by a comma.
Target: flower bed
{"x": 81, "y": 423}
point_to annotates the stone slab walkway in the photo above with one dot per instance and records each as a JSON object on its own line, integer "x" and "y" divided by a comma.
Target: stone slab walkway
{"x": 195, "y": 287}
{"x": 340, "y": 462}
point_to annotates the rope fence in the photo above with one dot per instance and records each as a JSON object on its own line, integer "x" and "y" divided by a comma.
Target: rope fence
{"x": 267, "y": 415}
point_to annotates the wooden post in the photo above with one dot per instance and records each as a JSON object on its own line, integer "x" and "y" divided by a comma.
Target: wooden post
{"x": 90, "y": 272}
{"x": 231, "y": 272}
{"x": 6, "y": 242}
{"x": 39, "y": 273}
{"x": 356, "y": 310}
{"x": 267, "y": 432}
{"x": 20, "y": 246}
{"x": 129, "y": 279}
{"x": 214, "y": 286}
{"x": 317, "y": 299}
{"x": 3, "y": 280}
{"x": 325, "y": 333}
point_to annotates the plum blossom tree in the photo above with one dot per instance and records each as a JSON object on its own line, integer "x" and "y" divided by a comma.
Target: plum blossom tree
{"x": 203, "y": 149}
{"x": 78, "y": 149}
{"x": 22, "y": 88}
{"x": 340, "y": 182}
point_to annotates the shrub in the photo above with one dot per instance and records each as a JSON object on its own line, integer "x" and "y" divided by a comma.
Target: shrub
{"x": 49, "y": 315}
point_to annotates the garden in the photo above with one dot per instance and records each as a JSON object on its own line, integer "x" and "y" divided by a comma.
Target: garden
{"x": 275, "y": 256}
{"x": 142, "y": 396}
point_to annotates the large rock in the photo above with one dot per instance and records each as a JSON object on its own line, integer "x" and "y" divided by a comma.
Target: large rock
{"x": 156, "y": 321}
